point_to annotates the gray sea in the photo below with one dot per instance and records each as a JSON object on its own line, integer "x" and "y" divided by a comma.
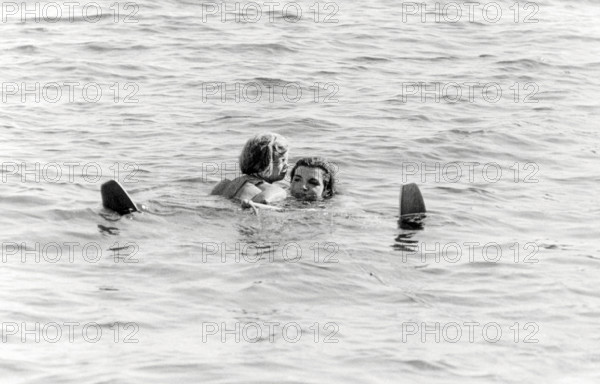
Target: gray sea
{"x": 490, "y": 108}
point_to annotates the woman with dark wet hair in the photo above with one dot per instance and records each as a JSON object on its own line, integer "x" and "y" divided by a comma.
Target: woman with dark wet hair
{"x": 312, "y": 179}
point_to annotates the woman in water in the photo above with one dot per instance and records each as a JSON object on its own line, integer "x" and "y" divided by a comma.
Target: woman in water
{"x": 312, "y": 180}
{"x": 263, "y": 161}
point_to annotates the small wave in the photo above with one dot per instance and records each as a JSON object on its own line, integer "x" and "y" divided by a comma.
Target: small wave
{"x": 467, "y": 120}
{"x": 28, "y": 48}
{"x": 229, "y": 117}
{"x": 466, "y": 132}
{"x": 429, "y": 59}
{"x": 423, "y": 365}
{"x": 104, "y": 48}
{"x": 271, "y": 48}
{"x": 417, "y": 118}
{"x": 522, "y": 63}
{"x": 371, "y": 59}
{"x": 269, "y": 80}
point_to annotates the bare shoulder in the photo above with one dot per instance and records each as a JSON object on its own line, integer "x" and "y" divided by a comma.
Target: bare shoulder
{"x": 247, "y": 191}
{"x": 272, "y": 188}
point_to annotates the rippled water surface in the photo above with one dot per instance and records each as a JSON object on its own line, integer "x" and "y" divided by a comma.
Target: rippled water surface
{"x": 181, "y": 139}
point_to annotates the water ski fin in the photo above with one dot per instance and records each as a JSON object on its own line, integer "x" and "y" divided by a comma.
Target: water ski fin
{"x": 411, "y": 200}
{"x": 116, "y": 198}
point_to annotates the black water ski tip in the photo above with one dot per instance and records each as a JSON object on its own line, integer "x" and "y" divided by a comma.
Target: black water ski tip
{"x": 412, "y": 207}
{"x": 114, "y": 197}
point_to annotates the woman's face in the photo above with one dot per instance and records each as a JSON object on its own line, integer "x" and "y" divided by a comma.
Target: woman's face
{"x": 280, "y": 168}
{"x": 307, "y": 183}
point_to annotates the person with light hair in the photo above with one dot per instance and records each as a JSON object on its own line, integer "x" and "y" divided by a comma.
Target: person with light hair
{"x": 263, "y": 161}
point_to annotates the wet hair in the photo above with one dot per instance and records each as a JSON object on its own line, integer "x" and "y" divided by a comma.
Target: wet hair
{"x": 328, "y": 173}
{"x": 258, "y": 153}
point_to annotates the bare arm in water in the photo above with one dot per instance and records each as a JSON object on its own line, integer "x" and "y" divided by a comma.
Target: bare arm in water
{"x": 256, "y": 206}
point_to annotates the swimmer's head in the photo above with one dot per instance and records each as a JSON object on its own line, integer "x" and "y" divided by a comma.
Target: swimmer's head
{"x": 312, "y": 179}
{"x": 265, "y": 156}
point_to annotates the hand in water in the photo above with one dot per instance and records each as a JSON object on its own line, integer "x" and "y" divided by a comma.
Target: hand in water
{"x": 246, "y": 203}
{"x": 255, "y": 206}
